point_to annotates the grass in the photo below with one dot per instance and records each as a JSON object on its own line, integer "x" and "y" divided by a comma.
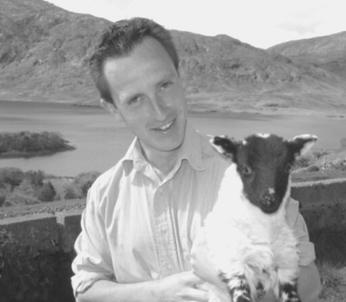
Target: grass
{"x": 330, "y": 246}
{"x": 333, "y": 283}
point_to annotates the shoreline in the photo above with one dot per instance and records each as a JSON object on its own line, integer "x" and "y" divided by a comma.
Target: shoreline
{"x": 18, "y": 154}
{"x": 212, "y": 110}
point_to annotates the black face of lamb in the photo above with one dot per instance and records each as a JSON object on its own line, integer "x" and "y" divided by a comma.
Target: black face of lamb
{"x": 263, "y": 163}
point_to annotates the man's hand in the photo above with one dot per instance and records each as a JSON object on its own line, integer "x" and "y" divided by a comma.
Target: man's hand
{"x": 204, "y": 268}
{"x": 182, "y": 287}
{"x": 201, "y": 263}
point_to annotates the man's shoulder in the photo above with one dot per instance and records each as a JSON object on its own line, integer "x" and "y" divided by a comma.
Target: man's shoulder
{"x": 292, "y": 211}
{"x": 213, "y": 159}
{"x": 108, "y": 179}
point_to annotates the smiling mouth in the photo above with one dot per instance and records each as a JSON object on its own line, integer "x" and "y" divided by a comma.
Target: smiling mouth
{"x": 165, "y": 127}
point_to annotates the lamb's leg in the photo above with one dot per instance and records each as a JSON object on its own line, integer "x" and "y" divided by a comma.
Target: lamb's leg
{"x": 238, "y": 287}
{"x": 288, "y": 292}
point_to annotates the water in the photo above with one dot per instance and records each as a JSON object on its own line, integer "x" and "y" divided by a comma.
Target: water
{"x": 100, "y": 140}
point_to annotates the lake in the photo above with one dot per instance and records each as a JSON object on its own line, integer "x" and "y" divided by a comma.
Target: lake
{"x": 100, "y": 140}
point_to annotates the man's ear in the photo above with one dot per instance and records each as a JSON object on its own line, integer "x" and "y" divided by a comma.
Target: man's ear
{"x": 301, "y": 144}
{"x": 225, "y": 145}
{"x": 110, "y": 107}
{"x": 113, "y": 110}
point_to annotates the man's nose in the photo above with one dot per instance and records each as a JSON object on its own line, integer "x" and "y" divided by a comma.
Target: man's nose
{"x": 159, "y": 108}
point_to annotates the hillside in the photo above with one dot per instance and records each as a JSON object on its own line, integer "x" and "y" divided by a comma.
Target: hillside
{"x": 44, "y": 50}
{"x": 328, "y": 52}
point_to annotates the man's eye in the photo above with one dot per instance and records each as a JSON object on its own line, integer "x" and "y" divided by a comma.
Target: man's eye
{"x": 165, "y": 85}
{"x": 135, "y": 100}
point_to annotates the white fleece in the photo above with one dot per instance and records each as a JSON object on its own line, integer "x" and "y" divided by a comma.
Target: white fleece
{"x": 242, "y": 240}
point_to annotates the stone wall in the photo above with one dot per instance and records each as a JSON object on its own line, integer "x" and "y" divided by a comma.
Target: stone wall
{"x": 36, "y": 251}
{"x": 323, "y": 205}
{"x": 35, "y": 256}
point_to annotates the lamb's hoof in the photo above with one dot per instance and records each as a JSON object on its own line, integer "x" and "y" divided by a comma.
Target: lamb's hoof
{"x": 238, "y": 287}
{"x": 291, "y": 297}
{"x": 241, "y": 296}
{"x": 289, "y": 293}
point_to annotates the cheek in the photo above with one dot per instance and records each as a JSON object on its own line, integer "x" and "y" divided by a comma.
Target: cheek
{"x": 249, "y": 188}
{"x": 135, "y": 120}
{"x": 175, "y": 98}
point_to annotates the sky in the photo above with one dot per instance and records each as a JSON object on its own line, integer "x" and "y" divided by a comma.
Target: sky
{"x": 261, "y": 23}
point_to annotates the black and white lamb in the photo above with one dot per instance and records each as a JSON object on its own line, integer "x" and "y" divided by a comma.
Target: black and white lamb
{"x": 247, "y": 235}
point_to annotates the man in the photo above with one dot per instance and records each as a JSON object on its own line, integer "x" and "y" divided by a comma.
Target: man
{"x": 142, "y": 215}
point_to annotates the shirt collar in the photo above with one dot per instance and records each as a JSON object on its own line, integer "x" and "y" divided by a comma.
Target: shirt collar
{"x": 191, "y": 151}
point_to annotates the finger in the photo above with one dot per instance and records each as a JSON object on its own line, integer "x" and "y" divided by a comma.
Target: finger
{"x": 190, "y": 278}
{"x": 195, "y": 295}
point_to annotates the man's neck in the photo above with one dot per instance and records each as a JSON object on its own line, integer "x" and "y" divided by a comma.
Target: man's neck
{"x": 162, "y": 161}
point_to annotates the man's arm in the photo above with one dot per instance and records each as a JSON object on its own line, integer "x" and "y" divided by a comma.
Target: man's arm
{"x": 94, "y": 279}
{"x": 176, "y": 288}
{"x": 309, "y": 283}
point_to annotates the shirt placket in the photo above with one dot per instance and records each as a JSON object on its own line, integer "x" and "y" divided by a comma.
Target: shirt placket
{"x": 163, "y": 233}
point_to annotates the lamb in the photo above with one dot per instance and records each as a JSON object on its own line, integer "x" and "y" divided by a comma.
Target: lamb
{"x": 260, "y": 251}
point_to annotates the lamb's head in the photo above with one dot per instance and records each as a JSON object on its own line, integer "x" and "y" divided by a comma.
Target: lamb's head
{"x": 264, "y": 162}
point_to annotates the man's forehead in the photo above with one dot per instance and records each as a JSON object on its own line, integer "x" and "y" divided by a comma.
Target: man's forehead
{"x": 149, "y": 52}
{"x": 147, "y": 64}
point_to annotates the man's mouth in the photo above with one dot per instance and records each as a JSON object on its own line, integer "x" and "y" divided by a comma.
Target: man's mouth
{"x": 165, "y": 127}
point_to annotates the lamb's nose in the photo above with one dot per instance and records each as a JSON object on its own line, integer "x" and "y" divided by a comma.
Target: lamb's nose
{"x": 268, "y": 197}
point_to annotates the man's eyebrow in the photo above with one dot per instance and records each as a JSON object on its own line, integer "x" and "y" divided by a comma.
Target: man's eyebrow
{"x": 167, "y": 76}
{"x": 128, "y": 96}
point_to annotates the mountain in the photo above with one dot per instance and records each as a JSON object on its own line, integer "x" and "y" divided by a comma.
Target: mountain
{"x": 327, "y": 52}
{"x": 44, "y": 51}
{"x": 237, "y": 74}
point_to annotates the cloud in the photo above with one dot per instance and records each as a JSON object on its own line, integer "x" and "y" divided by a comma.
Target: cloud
{"x": 300, "y": 28}
{"x": 260, "y": 23}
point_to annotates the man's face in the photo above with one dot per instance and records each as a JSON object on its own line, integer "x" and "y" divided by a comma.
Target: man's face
{"x": 147, "y": 91}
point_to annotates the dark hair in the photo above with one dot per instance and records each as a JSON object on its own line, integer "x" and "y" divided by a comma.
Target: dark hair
{"x": 119, "y": 39}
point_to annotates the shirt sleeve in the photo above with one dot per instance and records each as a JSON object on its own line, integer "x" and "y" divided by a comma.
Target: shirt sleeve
{"x": 296, "y": 221}
{"x": 92, "y": 261}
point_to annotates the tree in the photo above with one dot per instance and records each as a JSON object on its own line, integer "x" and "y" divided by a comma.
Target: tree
{"x": 2, "y": 198}
{"x": 46, "y": 192}
{"x": 72, "y": 191}
{"x": 35, "y": 177}
{"x": 85, "y": 180}
{"x": 11, "y": 176}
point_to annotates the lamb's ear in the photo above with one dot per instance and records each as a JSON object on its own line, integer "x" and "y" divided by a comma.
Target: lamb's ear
{"x": 224, "y": 145}
{"x": 301, "y": 144}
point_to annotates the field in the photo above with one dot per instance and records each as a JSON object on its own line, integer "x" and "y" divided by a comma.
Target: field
{"x": 333, "y": 282}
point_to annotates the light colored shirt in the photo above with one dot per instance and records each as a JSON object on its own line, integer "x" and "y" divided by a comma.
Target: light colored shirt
{"x": 136, "y": 227}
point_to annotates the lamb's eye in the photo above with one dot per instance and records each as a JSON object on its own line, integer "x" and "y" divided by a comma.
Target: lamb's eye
{"x": 245, "y": 170}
